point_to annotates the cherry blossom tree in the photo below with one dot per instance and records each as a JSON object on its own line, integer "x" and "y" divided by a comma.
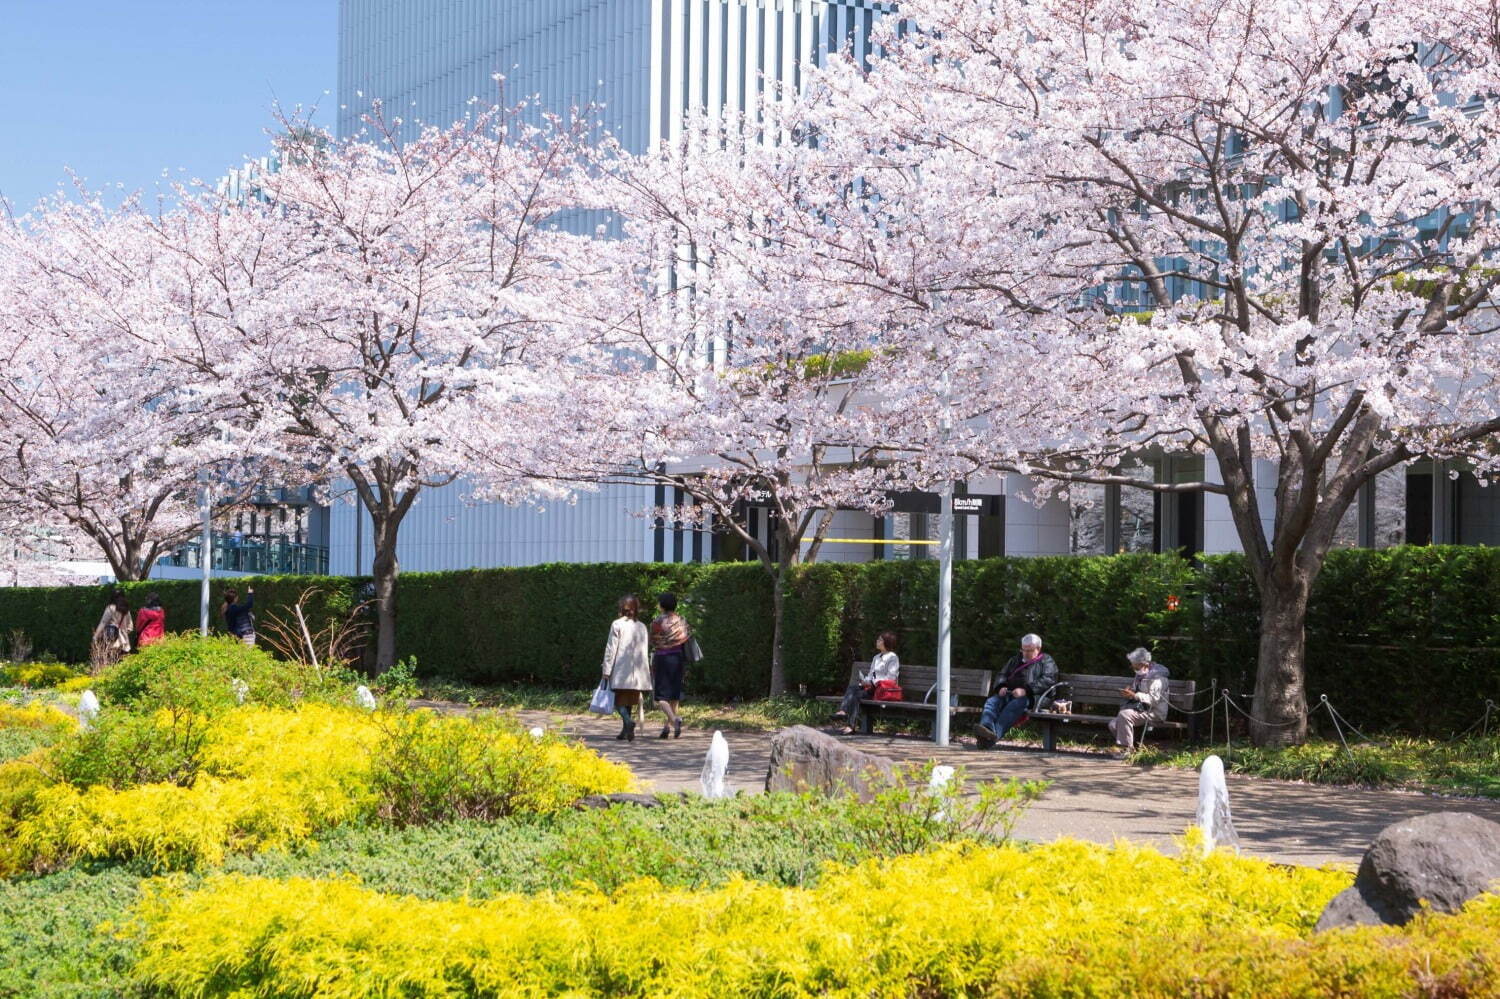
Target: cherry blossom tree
{"x": 98, "y": 440}
{"x": 374, "y": 286}
{"x": 743, "y": 361}
{"x": 1260, "y": 230}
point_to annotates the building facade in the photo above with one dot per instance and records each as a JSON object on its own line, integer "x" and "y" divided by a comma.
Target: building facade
{"x": 643, "y": 64}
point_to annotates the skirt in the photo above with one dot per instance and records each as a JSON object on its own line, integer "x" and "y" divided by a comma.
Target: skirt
{"x": 627, "y": 698}
{"x": 667, "y": 668}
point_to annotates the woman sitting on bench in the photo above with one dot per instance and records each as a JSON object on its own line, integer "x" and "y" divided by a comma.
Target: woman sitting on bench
{"x": 884, "y": 667}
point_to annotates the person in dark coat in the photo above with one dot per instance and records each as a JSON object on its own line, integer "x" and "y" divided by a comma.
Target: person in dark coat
{"x": 238, "y": 619}
{"x": 1025, "y": 680}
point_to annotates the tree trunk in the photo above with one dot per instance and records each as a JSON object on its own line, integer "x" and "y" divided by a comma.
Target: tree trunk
{"x": 778, "y": 603}
{"x": 384, "y": 570}
{"x": 124, "y": 558}
{"x": 1280, "y": 706}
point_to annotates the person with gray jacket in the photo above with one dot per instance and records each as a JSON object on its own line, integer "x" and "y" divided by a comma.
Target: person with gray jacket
{"x": 1145, "y": 700}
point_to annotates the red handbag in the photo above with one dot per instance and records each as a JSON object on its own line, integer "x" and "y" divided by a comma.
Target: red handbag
{"x": 886, "y": 690}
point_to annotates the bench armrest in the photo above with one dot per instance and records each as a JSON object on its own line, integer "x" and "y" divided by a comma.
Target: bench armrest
{"x": 1061, "y": 687}
{"x": 927, "y": 698}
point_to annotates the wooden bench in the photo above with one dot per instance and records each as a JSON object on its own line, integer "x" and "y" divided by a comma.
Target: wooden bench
{"x": 919, "y": 699}
{"x": 1104, "y": 691}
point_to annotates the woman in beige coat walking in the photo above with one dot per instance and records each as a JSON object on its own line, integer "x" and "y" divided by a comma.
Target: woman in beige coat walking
{"x": 627, "y": 664}
{"x": 112, "y": 633}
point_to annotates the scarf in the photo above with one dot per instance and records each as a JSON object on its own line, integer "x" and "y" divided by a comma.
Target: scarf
{"x": 1011, "y": 676}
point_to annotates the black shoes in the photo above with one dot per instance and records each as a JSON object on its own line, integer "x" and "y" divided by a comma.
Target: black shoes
{"x": 627, "y": 733}
{"x": 676, "y": 729}
{"x": 666, "y": 730}
{"x": 985, "y": 735}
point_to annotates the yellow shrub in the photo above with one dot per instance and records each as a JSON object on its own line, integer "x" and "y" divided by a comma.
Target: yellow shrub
{"x": 270, "y": 778}
{"x": 36, "y": 716}
{"x": 572, "y": 772}
{"x": 430, "y": 768}
{"x": 21, "y": 780}
{"x": 1068, "y": 919}
{"x": 35, "y": 674}
{"x": 76, "y": 685}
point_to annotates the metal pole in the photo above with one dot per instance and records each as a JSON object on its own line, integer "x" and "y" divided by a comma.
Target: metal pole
{"x": 945, "y": 618}
{"x": 205, "y": 558}
{"x": 945, "y": 585}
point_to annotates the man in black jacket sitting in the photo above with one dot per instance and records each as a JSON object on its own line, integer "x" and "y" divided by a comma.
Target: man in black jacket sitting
{"x": 1022, "y": 683}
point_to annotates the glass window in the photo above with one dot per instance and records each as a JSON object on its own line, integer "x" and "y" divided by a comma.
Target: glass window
{"x": 1389, "y": 509}
{"x": 1137, "y": 511}
{"x": 1085, "y": 519}
{"x": 1346, "y": 535}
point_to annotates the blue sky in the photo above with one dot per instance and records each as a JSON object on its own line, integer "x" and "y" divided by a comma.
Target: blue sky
{"x": 120, "y": 90}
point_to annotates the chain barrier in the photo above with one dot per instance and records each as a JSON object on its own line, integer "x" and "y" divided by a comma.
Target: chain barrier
{"x": 1198, "y": 711}
{"x": 1228, "y": 731}
{"x": 1337, "y": 718}
{"x": 1323, "y": 703}
{"x": 1258, "y": 721}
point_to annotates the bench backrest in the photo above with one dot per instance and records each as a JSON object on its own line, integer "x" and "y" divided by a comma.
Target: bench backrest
{"x": 1090, "y": 688}
{"x": 915, "y": 680}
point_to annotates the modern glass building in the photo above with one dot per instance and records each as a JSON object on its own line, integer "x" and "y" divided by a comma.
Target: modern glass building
{"x": 644, "y": 61}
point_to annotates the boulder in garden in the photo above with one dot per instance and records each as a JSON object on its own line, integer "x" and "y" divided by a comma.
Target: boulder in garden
{"x": 1442, "y": 859}
{"x": 804, "y": 759}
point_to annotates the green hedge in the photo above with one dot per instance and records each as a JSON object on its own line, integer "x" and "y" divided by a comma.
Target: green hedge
{"x": 1400, "y": 638}
{"x": 1403, "y": 639}
{"x": 60, "y": 620}
{"x": 547, "y": 623}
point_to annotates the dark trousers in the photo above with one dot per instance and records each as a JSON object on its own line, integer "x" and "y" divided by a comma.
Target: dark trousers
{"x": 850, "y": 704}
{"x": 1002, "y": 711}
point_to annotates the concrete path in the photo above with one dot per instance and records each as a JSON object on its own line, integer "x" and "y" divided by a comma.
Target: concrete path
{"x": 1092, "y": 797}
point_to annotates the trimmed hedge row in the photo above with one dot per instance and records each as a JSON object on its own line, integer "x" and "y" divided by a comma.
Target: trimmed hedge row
{"x": 547, "y": 623}
{"x": 1400, "y": 638}
{"x": 60, "y": 620}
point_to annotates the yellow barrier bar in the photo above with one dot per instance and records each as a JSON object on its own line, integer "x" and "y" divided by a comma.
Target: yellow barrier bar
{"x": 872, "y": 541}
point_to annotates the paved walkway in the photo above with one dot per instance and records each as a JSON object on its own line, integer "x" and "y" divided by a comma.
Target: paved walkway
{"x": 1092, "y": 797}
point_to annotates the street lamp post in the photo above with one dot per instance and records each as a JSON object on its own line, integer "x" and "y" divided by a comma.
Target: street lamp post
{"x": 945, "y": 618}
{"x": 945, "y": 587}
{"x": 205, "y": 553}
{"x": 205, "y": 544}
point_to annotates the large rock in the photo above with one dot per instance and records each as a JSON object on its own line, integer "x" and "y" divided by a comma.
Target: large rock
{"x": 804, "y": 759}
{"x": 1443, "y": 859}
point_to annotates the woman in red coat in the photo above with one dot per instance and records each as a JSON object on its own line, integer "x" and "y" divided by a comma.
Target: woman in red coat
{"x": 150, "y": 622}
